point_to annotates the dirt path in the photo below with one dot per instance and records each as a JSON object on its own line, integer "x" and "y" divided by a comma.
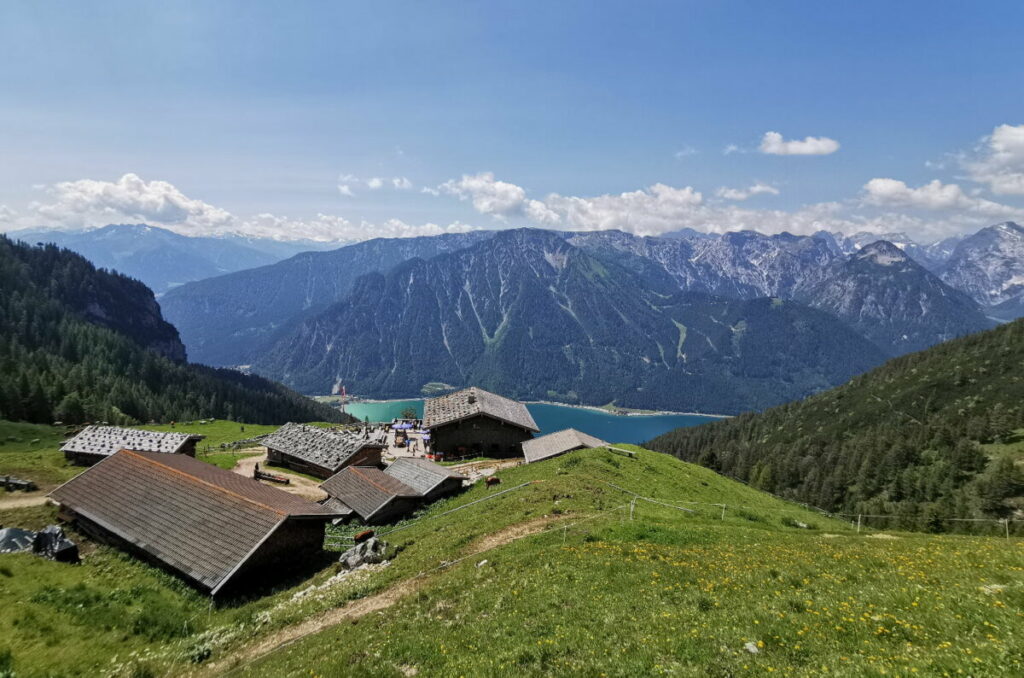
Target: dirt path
{"x": 23, "y": 501}
{"x": 364, "y": 606}
{"x": 299, "y": 485}
{"x": 480, "y": 469}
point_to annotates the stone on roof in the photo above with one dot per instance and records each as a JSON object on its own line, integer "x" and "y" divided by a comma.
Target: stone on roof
{"x": 106, "y": 440}
{"x": 474, "y": 401}
{"x": 366, "y": 489}
{"x": 558, "y": 443}
{"x": 320, "y": 446}
{"x": 198, "y": 519}
{"x": 421, "y": 475}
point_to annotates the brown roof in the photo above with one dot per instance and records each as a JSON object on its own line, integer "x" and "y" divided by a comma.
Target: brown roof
{"x": 558, "y": 443}
{"x": 422, "y": 475}
{"x": 366, "y": 489}
{"x": 475, "y": 401}
{"x": 196, "y": 518}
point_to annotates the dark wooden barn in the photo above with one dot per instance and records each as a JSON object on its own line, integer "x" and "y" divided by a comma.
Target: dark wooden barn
{"x": 95, "y": 443}
{"x": 322, "y": 452}
{"x": 475, "y": 422}
{"x": 380, "y": 496}
{"x": 222, "y": 532}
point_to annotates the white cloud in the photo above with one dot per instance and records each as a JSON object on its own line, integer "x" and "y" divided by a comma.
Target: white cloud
{"x": 373, "y": 183}
{"x": 999, "y": 161}
{"x": 772, "y": 143}
{"x": 401, "y": 183}
{"x": 89, "y": 203}
{"x": 685, "y": 152}
{"x": 347, "y": 183}
{"x": 743, "y": 193}
{"x": 498, "y": 198}
{"x": 934, "y": 196}
{"x": 732, "y": 148}
{"x": 7, "y": 215}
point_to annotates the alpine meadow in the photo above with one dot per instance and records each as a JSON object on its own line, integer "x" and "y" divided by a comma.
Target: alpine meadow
{"x": 511, "y": 339}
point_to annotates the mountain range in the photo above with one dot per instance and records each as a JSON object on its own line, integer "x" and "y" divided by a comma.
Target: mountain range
{"x": 163, "y": 259}
{"x": 300, "y": 318}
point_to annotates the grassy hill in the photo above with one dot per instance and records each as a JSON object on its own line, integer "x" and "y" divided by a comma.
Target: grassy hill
{"x": 925, "y": 438}
{"x": 552, "y": 576}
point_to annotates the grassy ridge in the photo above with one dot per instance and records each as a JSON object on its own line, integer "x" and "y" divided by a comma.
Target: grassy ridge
{"x": 668, "y": 592}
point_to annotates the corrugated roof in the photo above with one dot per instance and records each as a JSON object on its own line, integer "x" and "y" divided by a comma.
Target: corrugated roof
{"x": 557, "y": 443}
{"x": 366, "y": 489}
{"x": 421, "y": 475}
{"x": 323, "y": 447}
{"x": 473, "y": 401}
{"x": 106, "y": 440}
{"x": 198, "y": 519}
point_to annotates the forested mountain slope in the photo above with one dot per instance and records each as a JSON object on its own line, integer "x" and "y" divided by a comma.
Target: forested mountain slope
{"x": 224, "y": 319}
{"x": 81, "y": 344}
{"x": 528, "y": 314}
{"x": 907, "y": 438}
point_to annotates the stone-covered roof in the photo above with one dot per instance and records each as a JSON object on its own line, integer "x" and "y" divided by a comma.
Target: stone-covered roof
{"x": 421, "y": 475}
{"x": 366, "y": 489}
{"x": 473, "y": 401}
{"x": 106, "y": 440}
{"x": 200, "y": 520}
{"x": 320, "y": 446}
{"x": 558, "y": 443}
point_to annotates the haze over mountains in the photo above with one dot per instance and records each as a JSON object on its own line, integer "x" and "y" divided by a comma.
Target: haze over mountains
{"x": 676, "y": 322}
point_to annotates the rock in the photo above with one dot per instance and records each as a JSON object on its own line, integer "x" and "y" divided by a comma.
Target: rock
{"x": 752, "y": 648}
{"x": 370, "y": 551}
{"x": 482, "y": 563}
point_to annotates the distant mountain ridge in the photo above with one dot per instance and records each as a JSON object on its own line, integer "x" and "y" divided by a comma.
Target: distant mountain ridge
{"x": 224, "y": 320}
{"x": 163, "y": 259}
{"x": 529, "y": 314}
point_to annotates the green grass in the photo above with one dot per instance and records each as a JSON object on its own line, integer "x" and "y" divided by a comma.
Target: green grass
{"x": 217, "y": 431}
{"x": 226, "y": 460}
{"x": 32, "y": 452}
{"x": 669, "y": 592}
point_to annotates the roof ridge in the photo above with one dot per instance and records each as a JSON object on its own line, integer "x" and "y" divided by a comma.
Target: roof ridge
{"x": 200, "y": 481}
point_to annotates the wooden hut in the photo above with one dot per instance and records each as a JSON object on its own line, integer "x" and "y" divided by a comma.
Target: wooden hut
{"x": 379, "y": 496}
{"x": 95, "y": 443}
{"x": 475, "y": 422}
{"x": 322, "y": 452}
{"x": 220, "y": 531}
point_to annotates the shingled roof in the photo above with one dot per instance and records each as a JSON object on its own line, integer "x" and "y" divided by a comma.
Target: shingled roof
{"x": 199, "y": 520}
{"x": 320, "y": 446}
{"x": 421, "y": 475}
{"x": 106, "y": 440}
{"x": 558, "y": 443}
{"x": 366, "y": 489}
{"x": 473, "y": 401}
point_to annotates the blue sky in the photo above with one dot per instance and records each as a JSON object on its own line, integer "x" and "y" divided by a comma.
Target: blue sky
{"x": 276, "y": 118}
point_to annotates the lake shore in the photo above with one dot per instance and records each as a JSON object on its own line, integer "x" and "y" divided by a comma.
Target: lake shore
{"x": 625, "y": 411}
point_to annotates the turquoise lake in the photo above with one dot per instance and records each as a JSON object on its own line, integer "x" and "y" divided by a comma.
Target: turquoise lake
{"x": 614, "y": 428}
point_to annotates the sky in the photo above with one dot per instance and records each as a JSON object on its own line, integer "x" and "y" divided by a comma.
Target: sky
{"x": 346, "y": 121}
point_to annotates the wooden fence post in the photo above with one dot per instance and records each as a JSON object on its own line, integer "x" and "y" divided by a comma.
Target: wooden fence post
{"x": 723, "y": 511}
{"x": 858, "y": 523}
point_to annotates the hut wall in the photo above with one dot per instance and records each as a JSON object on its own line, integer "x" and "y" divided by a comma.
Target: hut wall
{"x": 479, "y": 436}
{"x": 395, "y": 509}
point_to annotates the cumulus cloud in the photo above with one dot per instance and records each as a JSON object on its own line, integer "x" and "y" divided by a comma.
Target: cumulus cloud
{"x": 934, "y": 196}
{"x": 999, "y": 161}
{"x": 772, "y": 143}
{"x": 401, "y": 183}
{"x": 373, "y": 183}
{"x": 738, "y": 194}
{"x": 497, "y": 198}
{"x": 89, "y": 202}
